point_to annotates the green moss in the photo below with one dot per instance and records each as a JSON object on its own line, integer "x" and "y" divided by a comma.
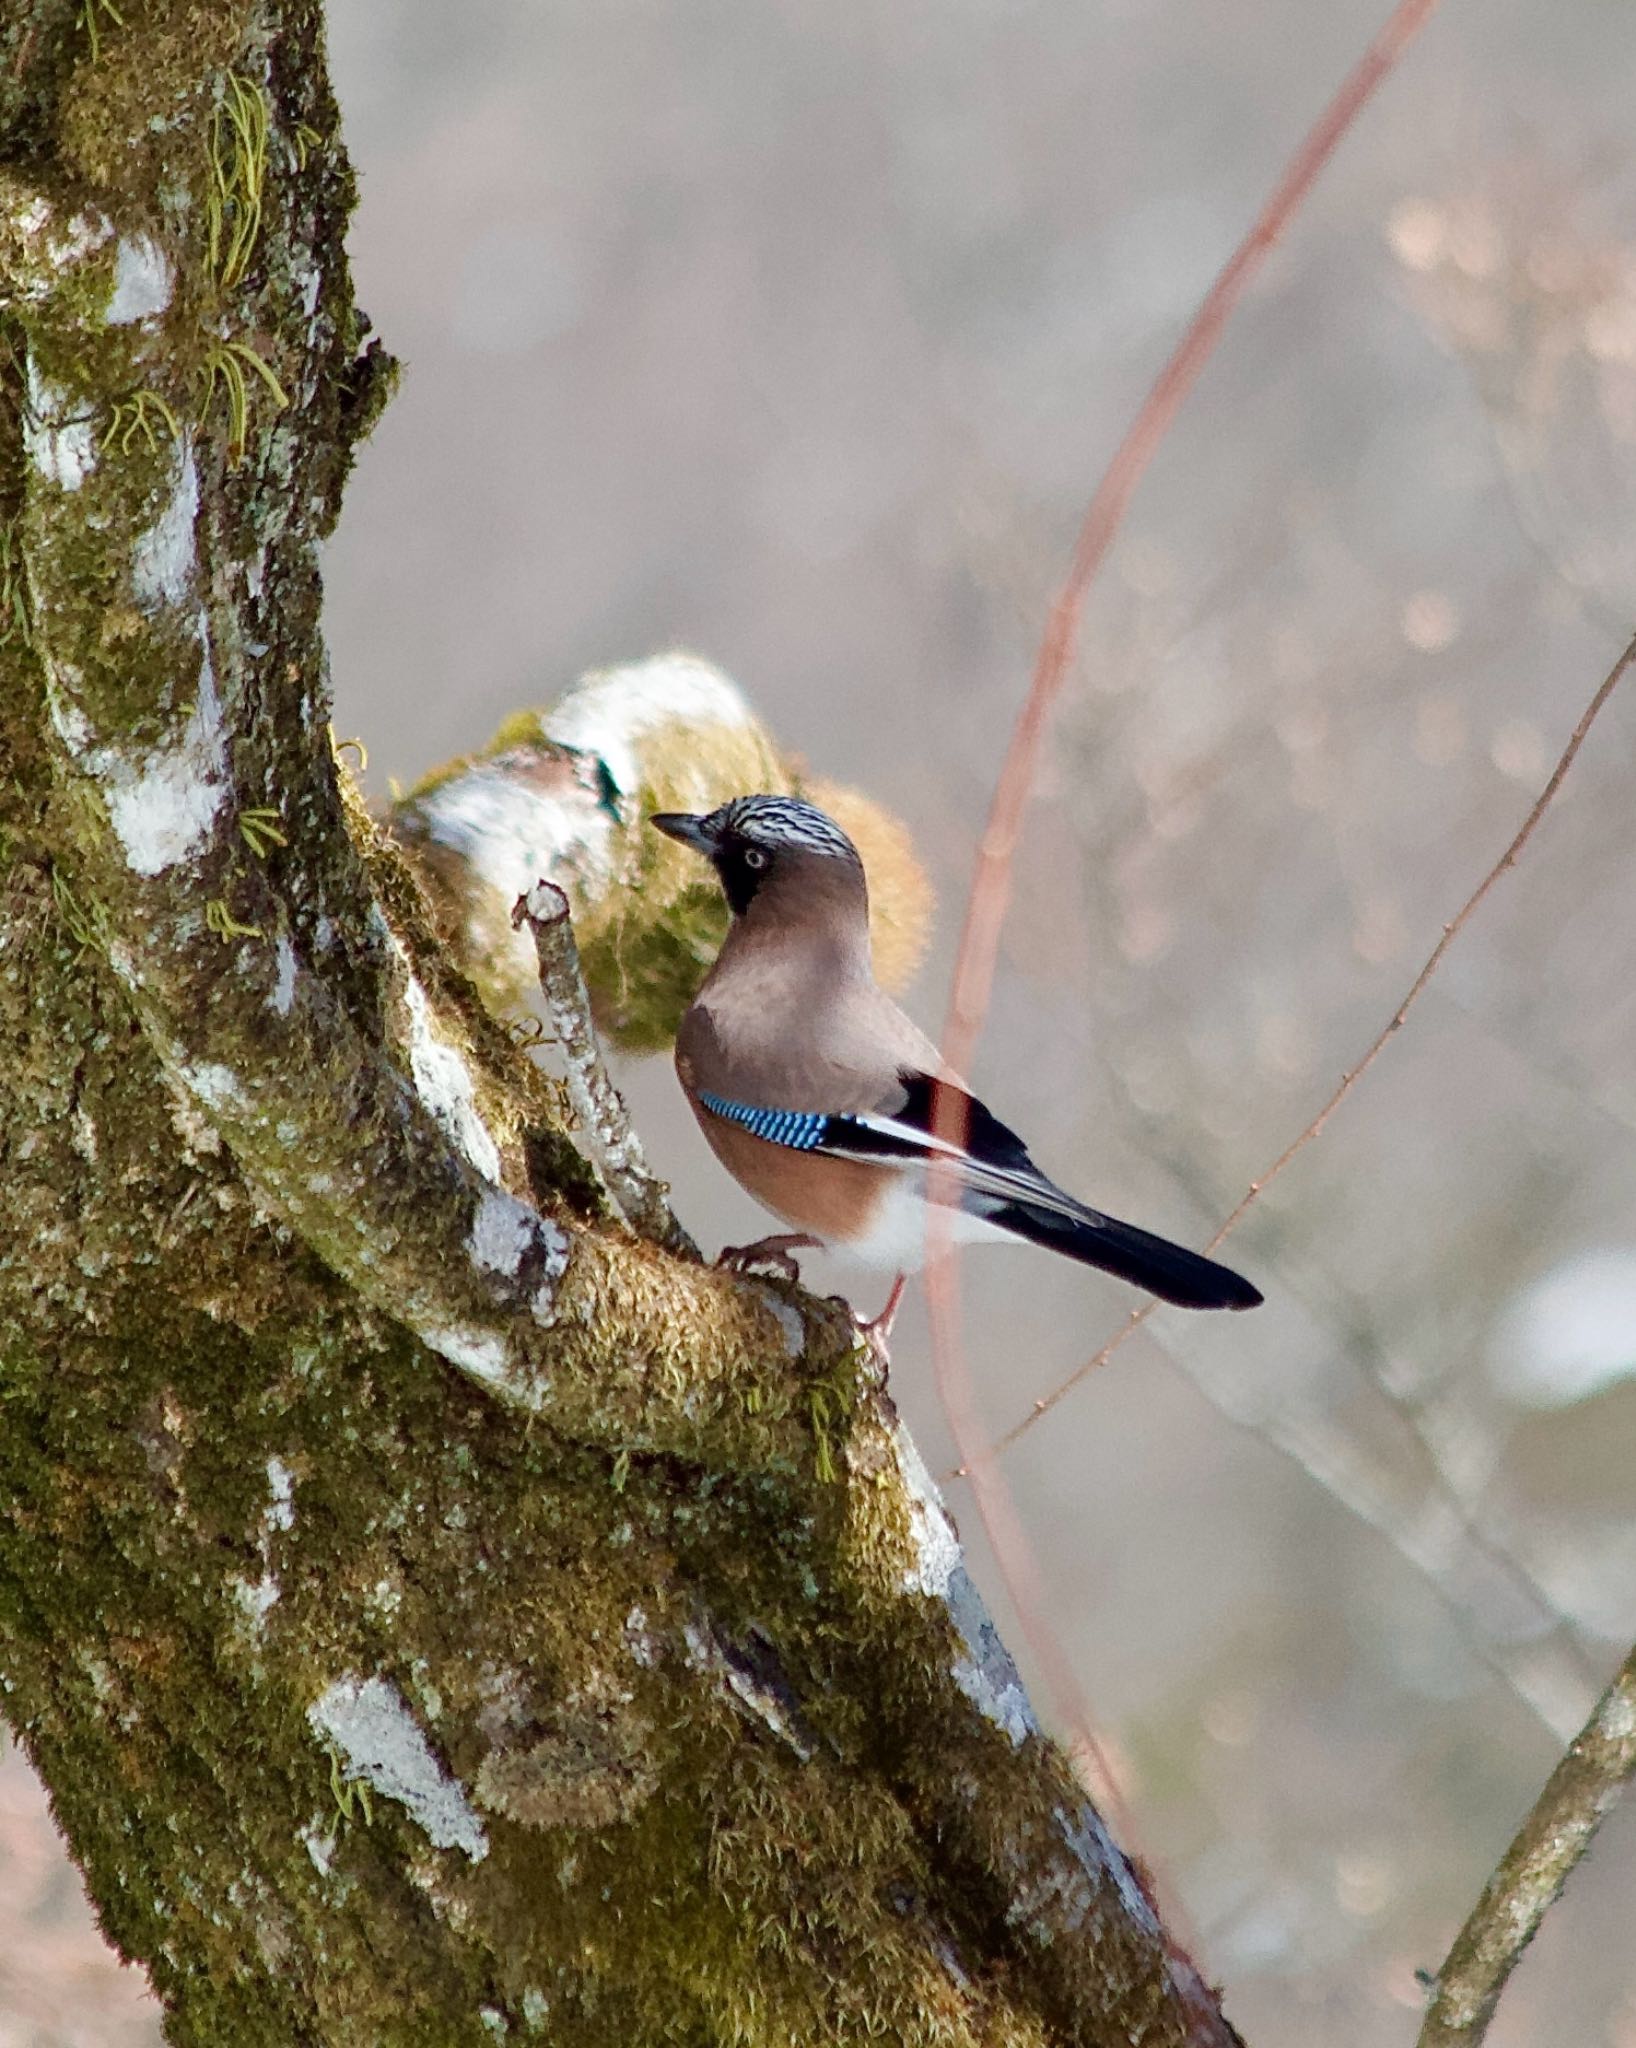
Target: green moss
{"x": 654, "y": 1862}
{"x": 519, "y": 729}
{"x": 40, "y": 44}
{"x": 135, "y": 109}
{"x": 644, "y": 974}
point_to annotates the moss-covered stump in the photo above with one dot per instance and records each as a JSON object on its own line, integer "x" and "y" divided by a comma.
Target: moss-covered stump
{"x": 568, "y": 791}
{"x": 439, "y": 1614}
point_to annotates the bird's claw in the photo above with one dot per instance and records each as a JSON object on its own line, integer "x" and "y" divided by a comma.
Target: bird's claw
{"x": 876, "y": 1341}
{"x": 774, "y": 1252}
{"x": 749, "y": 1258}
{"x": 876, "y": 1331}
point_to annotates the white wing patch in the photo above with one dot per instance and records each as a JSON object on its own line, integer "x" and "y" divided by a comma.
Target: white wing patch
{"x": 1002, "y": 1182}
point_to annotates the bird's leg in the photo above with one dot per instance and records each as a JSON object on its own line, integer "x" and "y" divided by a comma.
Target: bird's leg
{"x": 770, "y": 1251}
{"x": 876, "y": 1332}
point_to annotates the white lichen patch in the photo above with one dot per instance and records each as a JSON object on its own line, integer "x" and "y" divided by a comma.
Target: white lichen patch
{"x": 142, "y": 281}
{"x": 256, "y": 1599}
{"x": 609, "y": 712}
{"x": 502, "y": 1231}
{"x": 386, "y": 1596}
{"x": 477, "y": 1352}
{"x": 95, "y": 1669}
{"x": 512, "y": 833}
{"x": 163, "y": 803}
{"x": 84, "y": 1136}
{"x": 937, "y": 1548}
{"x": 282, "y": 994}
{"x": 986, "y": 1674}
{"x": 505, "y": 1232}
{"x": 643, "y": 1644}
{"x": 216, "y": 1086}
{"x": 57, "y": 243}
{"x": 1006, "y": 1706}
{"x": 59, "y": 433}
{"x": 1616, "y": 1719}
{"x": 281, "y": 1482}
{"x": 43, "y": 245}
{"x": 1095, "y": 1853}
{"x": 370, "y": 1723}
{"x": 30, "y": 216}
{"x": 73, "y": 728}
{"x": 319, "y": 1846}
{"x": 163, "y": 556}
{"x": 788, "y": 1319}
{"x": 443, "y": 1081}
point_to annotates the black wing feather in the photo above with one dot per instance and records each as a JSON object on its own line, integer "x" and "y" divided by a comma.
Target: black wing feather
{"x": 1002, "y": 1184}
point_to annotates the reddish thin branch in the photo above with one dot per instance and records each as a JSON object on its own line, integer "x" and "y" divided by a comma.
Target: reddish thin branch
{"x": 991, "y": 885}
{"x": 1350, "y": 1079}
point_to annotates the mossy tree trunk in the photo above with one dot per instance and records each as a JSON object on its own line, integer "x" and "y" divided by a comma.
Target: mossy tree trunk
{"x": 439, "y": 1615}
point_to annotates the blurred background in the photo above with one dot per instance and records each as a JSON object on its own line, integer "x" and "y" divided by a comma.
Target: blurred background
{"x": 797, "y": 335}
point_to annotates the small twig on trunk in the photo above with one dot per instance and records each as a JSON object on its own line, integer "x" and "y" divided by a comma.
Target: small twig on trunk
{"x": 604, "y": 1122}
{"x": 1532, "y": 1872}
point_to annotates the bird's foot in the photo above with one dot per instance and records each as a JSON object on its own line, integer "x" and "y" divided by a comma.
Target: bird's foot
{"x": 876, "y": 1331}
{"x": 769, "y": 1251}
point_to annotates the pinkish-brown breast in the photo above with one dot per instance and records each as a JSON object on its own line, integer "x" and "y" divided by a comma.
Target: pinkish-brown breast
{"x": 831, "y": 1198}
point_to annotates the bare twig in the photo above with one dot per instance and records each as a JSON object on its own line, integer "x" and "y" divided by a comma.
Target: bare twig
{"x": 604, "y": 1122}
{"x": 1350, "y": 1079}
{"x": 1530, "y": 1876}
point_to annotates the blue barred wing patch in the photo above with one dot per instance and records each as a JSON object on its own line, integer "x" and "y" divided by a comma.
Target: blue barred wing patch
{"x": 802, "y": 1130}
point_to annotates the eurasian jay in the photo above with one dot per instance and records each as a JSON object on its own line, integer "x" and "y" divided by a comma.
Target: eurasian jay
{"x": 821, "y": 1098}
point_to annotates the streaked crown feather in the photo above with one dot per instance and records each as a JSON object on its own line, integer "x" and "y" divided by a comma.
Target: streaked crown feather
{"x": 783, "y": 821}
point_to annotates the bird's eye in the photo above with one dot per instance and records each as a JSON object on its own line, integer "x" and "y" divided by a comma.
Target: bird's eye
{"x": 754, "y": 857}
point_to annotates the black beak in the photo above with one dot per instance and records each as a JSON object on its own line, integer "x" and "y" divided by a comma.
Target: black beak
{"x": 691, "y": 831}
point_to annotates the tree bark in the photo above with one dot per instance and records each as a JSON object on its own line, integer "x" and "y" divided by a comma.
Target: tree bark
{"x": 439, "y": 1614}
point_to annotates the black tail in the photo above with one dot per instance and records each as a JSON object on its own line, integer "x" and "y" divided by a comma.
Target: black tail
{"x": 1164, "y": 1269}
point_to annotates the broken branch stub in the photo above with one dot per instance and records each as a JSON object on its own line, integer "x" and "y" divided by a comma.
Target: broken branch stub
{"x": 604, "y": 1127}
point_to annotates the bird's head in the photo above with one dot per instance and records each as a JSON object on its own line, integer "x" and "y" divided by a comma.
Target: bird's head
{"x": 756, "y": 842}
